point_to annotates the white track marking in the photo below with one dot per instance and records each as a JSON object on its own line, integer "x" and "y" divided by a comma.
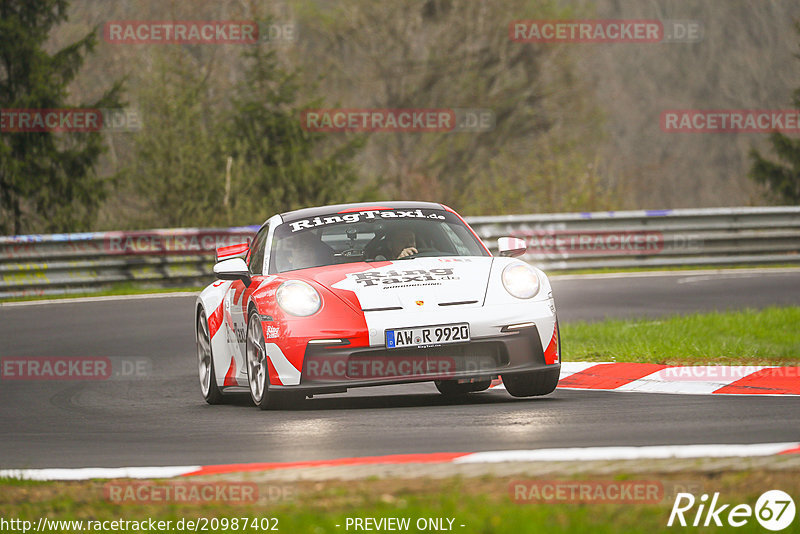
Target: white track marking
{"x": 628, "y": 453}
{"x": 577, "y": 454}
{"x": 107, "y": 298}
{"x": 87, "y": 473}
{"x": 683, "y": 381}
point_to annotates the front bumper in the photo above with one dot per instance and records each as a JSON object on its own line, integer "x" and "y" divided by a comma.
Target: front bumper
{"x": 337, "y": 368}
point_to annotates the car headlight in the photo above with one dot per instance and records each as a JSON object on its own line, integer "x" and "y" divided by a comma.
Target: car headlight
{"x": 298, "y": 298}
{"x": 520, "y": 281}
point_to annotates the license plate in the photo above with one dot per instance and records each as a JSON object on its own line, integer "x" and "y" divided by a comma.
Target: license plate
{"x": 427, "y": 335}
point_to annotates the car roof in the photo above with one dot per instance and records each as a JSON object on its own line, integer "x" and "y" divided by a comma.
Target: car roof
{"x": 359, "y": 206}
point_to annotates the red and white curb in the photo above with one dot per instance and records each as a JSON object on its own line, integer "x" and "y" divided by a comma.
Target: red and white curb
{"x": 691, "y": 380}
{"x": 537, "y": 455}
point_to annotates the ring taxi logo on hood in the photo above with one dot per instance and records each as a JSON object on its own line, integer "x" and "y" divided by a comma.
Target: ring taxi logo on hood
{"x": 366, "y": 215}
{"x": 374, "y": 278}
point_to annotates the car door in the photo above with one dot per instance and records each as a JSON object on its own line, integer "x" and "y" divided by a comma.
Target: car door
{"x": 236, "y": 310}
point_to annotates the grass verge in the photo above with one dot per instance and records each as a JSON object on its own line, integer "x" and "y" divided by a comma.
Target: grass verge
{"x": 482, "y": 505}
{"x": 749, "y": 337}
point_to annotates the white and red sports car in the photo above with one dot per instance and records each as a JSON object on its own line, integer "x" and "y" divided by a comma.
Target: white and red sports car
{"x": 329, "y": 298}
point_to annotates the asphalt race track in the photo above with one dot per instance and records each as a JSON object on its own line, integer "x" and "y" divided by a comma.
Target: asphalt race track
{"x": 161, "y": 419}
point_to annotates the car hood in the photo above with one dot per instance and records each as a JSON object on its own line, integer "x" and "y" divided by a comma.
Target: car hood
{"x": 419, "y": 283}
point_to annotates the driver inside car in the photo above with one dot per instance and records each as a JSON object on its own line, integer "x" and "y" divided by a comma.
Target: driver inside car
{"x": 402, "y": 242}
{"x": 307, "y": 250}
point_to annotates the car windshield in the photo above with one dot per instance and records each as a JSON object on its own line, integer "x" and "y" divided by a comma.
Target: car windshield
{"x": 370, "y": 235}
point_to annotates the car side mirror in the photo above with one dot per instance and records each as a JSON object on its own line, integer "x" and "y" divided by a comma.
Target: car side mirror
{"x": 511, "y": 246}
{"x": 233, "y": 269}
{"x": 239, "y": 250}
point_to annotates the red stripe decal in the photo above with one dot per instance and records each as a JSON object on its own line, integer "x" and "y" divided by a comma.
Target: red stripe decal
{"x": 215, "y": 321}
{"x": 274, "y": 377}
{"x": 609, "y": 375}
{"x": 368, "y": 208}
{"x": 230, "y": 376}
{"x": 771, "y": 381}
{"x": 231, "y": 251}
{"x": 796, "y": 450}
{"x": 238, "y": 290}
{"x": 551, "y": 352}
{"x": 436, "y": 457}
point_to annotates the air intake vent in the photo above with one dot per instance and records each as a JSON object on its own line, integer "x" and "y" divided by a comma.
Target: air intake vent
{"x": 459, "y": 303}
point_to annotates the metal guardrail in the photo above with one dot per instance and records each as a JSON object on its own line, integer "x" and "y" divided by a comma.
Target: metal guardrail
{"x": 71, "y": 263}
{"x": 53, "y": 264}
{"x": 652, "y": 238}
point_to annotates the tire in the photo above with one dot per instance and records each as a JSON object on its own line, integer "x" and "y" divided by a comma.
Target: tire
{"x": 532, "y": 384}
{"x": 256, "y": 362}
{"x": 205, "y": 362}
{"x": 451, "y": 388}
{"x": 258, "y": 372}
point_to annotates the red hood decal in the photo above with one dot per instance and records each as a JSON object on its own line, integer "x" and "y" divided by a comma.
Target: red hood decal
{"x": 330, "y": 274}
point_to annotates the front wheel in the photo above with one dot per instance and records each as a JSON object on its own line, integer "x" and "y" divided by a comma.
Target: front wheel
{"x": 205, "y": 362}
{"x": 533, "y": 383}
{"x": 257, "y": 372}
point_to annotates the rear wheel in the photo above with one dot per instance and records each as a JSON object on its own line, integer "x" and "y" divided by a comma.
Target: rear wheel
{"x": 452, "y": 388}
{"x": 532, "y": 384}
{"x": 205, "y": 362}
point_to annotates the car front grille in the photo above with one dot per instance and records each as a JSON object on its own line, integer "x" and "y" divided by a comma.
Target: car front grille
{"x": 481, "y": 357}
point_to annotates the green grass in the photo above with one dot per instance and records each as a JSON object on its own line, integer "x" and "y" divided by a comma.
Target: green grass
{"x": 483, "y": 505}
{"x": 752, "y": 337}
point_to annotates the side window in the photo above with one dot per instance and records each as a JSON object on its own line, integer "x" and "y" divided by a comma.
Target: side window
{"x": 455, "y": 241}
{"x": 256, "y": 264}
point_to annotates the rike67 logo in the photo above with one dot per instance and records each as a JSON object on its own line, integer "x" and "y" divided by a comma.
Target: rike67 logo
{"x": 774, "y": 510}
